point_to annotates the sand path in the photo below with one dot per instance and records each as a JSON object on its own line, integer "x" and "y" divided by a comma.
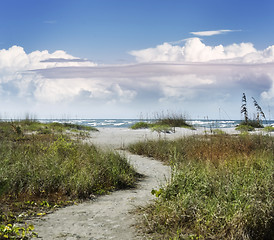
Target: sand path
{"x": 108, "y": 217}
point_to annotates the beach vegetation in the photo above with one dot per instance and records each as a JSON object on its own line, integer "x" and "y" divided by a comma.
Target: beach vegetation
{"x": 269, "y": 129}
{"x": 245, "y": 128}
{"x": 140, "y": 125}
{"x": 164, "y": 123}
{"x": 250, "y": 124}
{"x": 41, "y": 171}
{"x": 218, "y": 131}
{"x": 221, "y": 187}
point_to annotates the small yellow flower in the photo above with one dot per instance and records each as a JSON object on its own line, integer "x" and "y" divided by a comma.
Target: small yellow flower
{"x": 41, "y": 214}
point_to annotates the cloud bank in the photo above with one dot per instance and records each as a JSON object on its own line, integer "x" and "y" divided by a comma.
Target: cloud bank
{"x": 195, "y": 50}
{"x": 195, "y": 78}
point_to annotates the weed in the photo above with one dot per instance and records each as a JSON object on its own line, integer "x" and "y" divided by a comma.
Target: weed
{"x": 164, "y": 123}
{"x": 245, "y": 128}
{"x": 140, "y": 125}
{"x": 221, "y": 188}
{"x": 256, "y": 122}
{"x": 269, "y": 129}
{"x": 218, "y": 132}
{"x": 11, "y": 231}
{"x": 42, "y": 169}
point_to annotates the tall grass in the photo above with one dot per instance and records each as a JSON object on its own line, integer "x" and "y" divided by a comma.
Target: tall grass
{"x": 39, "y": 170}
{"x": 164, "y": 120}
{"x": 172, "y": 120}
{"x": 32, "y": 163}
{"x": 222, "y": 187}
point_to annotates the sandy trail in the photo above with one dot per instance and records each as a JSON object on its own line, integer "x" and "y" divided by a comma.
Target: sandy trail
{"x": 109, "y": 217}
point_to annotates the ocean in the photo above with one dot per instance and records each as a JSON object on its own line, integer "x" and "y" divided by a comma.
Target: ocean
{"x": 126, "y": 123}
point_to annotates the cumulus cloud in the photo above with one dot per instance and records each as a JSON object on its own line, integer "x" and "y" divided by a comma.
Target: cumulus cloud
{"x": 212, "y": 33}
{"x": 15, "y": 59}
{"x": 191, "y": 76}
{"x": 241, "y": 63}
{"x": 195, "y": 50}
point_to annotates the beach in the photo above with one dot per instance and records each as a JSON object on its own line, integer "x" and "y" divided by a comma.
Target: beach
{"x": 112, "y": 216}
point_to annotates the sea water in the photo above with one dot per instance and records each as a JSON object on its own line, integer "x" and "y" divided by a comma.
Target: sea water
{"x": 126, "y": 123}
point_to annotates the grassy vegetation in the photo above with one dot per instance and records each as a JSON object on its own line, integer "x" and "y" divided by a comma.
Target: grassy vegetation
{"x": 242, "y": 127}
{"x": 140, "y": 125}
{"x": 30, "y": 125}
{"x": 164, "y": 123}
{"x": 247, "y": 124}
{"x": 46, "y": 170}
{"x": 269, "y": 129}
{"x": 222, "y": 187}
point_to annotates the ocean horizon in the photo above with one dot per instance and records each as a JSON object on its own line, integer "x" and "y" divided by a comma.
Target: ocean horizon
{"x": 126, "y": 123}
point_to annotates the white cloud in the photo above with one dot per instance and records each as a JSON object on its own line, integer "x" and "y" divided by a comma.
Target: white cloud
{"x": 212, "y": 33}
{"x": 191, "y": 75}
{"x": 16, "y": 59}
{"x": 15, "y": 64}
{"x": 195, "y": 50}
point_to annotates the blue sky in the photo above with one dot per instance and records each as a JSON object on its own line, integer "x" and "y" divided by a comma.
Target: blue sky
{"x": 84, "y": 58}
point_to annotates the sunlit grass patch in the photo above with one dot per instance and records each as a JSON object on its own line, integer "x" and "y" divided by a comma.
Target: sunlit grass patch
{"x": 164, "y": 121}
{"x": 40, "y": 171}
{"x": 269, "y": 129}
{"x": 221, "y": 188}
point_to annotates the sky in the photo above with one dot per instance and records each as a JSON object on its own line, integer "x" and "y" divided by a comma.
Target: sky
{"x": 133, "y": 58}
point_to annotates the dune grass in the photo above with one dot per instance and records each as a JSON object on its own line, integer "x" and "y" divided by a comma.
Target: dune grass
{"x": 163, "y": 123}
{"x": 43, "y": 171}
{"x": 269, "y": 129}
{"x": 222, "y": 187}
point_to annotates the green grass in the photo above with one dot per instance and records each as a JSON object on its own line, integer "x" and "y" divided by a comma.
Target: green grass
{"x": 221, "y": 188}
{"x": 172, "y": 120}
{"x": 269, "y": 129}
{"x": 43, "y": 171}
{"x": 140, "y": 125}
{"x": 164, "y": 123}
{"x": 245, "y": 128}
{"x": 44, "y": 128}
{"x": 250, "y": 125}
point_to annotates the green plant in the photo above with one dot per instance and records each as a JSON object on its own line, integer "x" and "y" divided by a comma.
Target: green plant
{"x": 161, "y": 128}
{"x": 164, "y": 123}
{"x": 255, "y": 123}
{"x": 43, "y": 170}
{"x": 11, "y": 231}
{"x": 245, "y": 128}
{"x": 218, "y": 132}
{"x": 259, "y": 110}
{"x": 172, "y": 120}
{"x": 244, "y": 108}
{"x": 221, "y": 187}
{"x": 269, "y": 129}
{"x": 140, "y": 125}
